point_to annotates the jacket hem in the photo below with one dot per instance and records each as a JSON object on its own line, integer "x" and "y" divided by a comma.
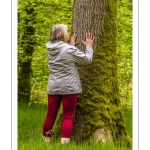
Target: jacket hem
{"x": 64, "y": 93}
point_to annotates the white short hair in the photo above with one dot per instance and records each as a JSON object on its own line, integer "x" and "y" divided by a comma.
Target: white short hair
{"x": 58, "y": 32}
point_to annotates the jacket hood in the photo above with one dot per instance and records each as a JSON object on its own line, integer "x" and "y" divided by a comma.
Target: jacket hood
{"x": 55, "y": 47}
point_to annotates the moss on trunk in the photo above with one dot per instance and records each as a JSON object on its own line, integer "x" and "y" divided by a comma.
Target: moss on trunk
{"x": 98, "y": 112}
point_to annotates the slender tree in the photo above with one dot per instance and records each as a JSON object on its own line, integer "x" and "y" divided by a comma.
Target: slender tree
{"x": 35, "y": 17}
{"x": 98, "y": 112}
{"x": 27, "y": 43}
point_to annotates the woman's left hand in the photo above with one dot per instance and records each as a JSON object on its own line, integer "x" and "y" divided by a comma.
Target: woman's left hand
{"x": 73, "y": 39}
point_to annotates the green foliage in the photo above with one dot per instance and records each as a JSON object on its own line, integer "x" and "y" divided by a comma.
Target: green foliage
{"x": 50, "y": 12}
{"x": 124, "y": 51}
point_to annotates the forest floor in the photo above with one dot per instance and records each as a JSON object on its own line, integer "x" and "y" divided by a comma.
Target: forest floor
{"x": 30, "y": 122}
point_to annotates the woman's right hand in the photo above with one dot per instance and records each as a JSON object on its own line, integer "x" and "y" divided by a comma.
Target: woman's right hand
{"x": 73, "y": 39}
{"x": 89, "y": 39}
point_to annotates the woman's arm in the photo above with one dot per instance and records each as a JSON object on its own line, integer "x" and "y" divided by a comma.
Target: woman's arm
{"x": 78, "y": 56}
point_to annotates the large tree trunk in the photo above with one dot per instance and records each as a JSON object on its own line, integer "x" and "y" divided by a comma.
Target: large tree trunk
{"x": 98, "y": 112}
{"x": 28, "y": 43}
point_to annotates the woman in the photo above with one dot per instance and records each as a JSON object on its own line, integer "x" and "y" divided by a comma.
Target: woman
{"x": 64, "y": 82}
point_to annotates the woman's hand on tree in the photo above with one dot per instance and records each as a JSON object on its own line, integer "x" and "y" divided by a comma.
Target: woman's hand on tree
{"x": 73, "y": 39}
{"x": 89, "y": 39}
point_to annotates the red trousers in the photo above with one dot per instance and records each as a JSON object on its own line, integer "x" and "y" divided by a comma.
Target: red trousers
{"x": 68, "y": 105}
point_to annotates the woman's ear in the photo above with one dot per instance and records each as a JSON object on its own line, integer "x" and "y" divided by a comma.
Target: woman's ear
{"x": 66, "y": 37}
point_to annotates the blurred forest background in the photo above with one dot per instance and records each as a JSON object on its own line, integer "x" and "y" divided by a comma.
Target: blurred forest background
{"x": 36, "y": 17}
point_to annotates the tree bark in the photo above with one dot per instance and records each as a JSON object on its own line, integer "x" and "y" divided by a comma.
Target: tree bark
{"x": 98, "y": 113}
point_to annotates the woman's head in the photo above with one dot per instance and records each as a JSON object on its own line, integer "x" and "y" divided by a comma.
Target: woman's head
{"x": 59, "y": 32}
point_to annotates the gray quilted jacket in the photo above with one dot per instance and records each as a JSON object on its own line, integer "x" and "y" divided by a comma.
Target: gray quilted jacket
{"x": 63, "y": 60}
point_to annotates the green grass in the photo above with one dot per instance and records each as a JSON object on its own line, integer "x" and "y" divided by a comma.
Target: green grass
{"x": 30, "y": 122}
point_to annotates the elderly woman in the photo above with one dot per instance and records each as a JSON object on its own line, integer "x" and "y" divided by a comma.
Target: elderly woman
{"x": 64, "y": 82}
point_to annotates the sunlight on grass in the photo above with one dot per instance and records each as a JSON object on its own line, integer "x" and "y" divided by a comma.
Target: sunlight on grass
{"x": 30, "y": 122}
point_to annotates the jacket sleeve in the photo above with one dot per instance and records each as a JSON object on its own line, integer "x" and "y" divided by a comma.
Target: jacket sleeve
{"x": 79, "y": 57}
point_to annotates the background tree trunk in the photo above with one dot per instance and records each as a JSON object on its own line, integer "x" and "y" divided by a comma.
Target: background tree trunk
{"x": 98, "y": 112}
{"x": 28, "y": 43}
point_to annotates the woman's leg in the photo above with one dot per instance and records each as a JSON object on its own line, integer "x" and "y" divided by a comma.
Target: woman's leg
{"x": 69, "y": 105}
{"x": 54, "y": 102}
